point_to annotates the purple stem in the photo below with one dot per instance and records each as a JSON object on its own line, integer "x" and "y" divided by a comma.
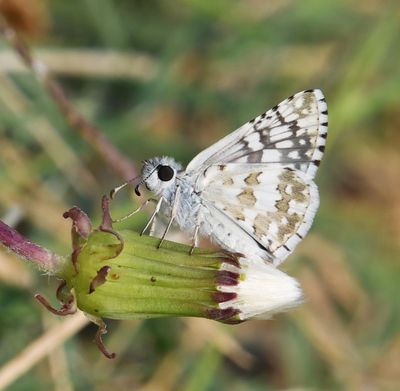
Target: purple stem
{"x": 42, "y": 257}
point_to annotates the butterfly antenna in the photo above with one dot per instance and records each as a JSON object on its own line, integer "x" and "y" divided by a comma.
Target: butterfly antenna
{"x": 115, "y": 190}
{"x": 137, "y": 192}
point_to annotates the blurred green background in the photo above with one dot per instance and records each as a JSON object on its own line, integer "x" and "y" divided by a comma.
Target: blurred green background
{"x": 171, "y": 78}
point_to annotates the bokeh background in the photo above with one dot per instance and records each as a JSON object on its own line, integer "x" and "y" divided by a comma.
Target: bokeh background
{"x": 171, "y": 78}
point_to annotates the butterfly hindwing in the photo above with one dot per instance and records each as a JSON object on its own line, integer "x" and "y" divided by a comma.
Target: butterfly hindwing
{"x": 274, "y": 206}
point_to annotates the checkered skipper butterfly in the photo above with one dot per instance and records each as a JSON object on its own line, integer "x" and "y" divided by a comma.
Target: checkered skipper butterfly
{"x": 252, "y": 192}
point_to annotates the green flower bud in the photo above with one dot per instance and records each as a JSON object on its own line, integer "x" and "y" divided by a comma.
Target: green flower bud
{"x": 123, "y": 275}
{"x": 143, "y": 281}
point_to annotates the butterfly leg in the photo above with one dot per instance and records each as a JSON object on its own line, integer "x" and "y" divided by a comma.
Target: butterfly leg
{"x": 195, "y": 239}
{"x": 135, "y": 211}
{"x": 156, "y": 210}
{"x": 153, "y": 226}
{"x": 173, "y": 214}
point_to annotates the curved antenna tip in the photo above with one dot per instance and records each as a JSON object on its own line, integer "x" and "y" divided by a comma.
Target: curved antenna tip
{"x": 114, "y": 191}
{"x": 137, "y": 192}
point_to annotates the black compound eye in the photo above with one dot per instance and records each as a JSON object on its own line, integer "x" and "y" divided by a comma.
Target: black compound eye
{"x": 165, "y": 173}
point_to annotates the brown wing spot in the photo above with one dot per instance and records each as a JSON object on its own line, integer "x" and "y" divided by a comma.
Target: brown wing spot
{"x": 287, "y": 230}
{"x": 247, "y": 197}
{"x": 228, "y": 182}
{"x": 306, "y": 108}
{"x": 252, "y": 179}
{"x": 293, "y": 221}
{"x": 235, "y": 211}
{"x": 287, "y": 175}
{"x": 261, "y": 224}
{"x": 298, "y": 190}
{"x": 282, "y": 205}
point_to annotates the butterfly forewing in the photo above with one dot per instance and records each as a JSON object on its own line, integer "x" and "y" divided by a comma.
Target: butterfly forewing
{"x": 292, "y": 134}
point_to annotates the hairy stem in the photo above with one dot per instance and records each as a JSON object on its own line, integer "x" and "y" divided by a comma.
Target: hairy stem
{"x": 17, "y": 243}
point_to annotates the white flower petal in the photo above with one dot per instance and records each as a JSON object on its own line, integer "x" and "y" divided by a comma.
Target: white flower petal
{"x": 262, "y": 291}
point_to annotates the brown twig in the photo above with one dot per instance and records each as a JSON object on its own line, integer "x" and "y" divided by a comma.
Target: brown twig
{"x": 39, "y": 348}
{"x": 87, "y": 63}
{"x": 88, "y": 131}
{"x": 57, "y": 360}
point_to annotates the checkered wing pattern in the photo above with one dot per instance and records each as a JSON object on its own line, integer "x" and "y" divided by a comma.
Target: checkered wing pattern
{"x": 273, "y": 207}
{"x": 258, "y": 181}
{"x": 292, "y": 134}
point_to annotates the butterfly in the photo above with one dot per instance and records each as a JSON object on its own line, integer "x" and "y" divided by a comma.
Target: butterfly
{"x": 253, "y": 191}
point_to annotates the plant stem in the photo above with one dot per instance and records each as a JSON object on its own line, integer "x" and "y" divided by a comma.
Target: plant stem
{"x": 42, "y": 257}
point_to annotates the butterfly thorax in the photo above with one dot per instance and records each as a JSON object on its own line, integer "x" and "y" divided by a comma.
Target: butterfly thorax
{"x": 187, "y": 213}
